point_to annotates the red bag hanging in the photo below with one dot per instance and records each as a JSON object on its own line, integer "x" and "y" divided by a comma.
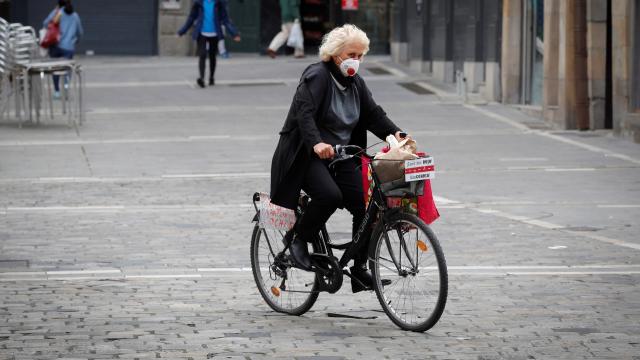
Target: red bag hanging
{"x": 52, "y": 36}
{"x": 427, "y": 210}
{"x": 367, "y": 182}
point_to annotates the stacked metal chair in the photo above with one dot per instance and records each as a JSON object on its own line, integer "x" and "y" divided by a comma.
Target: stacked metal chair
{"x": 6, "y": 90}
{"x": 29, "y": 76}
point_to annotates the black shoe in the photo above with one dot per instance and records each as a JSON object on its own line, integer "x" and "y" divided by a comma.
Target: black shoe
{"x": 211, "y": 82}
{"x": 200, "y": 83}
{"x": 362, "y": 280}
{"x": 300, "y": 253}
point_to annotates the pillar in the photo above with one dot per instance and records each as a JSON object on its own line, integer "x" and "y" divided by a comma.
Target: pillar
{"x": 597, "y": 61}
{"x": 511, "y": 50}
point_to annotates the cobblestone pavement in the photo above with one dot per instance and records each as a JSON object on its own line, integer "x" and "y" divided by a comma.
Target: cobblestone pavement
{"x": 128, "y": 237}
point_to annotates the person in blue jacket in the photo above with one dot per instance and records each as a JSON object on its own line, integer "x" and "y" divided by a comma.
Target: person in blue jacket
{"x": 207, "y": 18}
{"x": 70, "y": 32}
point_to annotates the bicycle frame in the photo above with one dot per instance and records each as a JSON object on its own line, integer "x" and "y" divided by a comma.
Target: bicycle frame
{"x": 377, "y": 205}
{"x": 377, "y": 209}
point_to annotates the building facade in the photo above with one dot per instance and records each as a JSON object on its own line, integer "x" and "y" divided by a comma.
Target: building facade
{"x": 148, "y": 27}
{"x": 576, "y": 63}
{"x": 445, "y": 37}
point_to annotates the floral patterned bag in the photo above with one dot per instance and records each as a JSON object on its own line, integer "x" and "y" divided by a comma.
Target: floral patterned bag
{"x": 273, "y": 216}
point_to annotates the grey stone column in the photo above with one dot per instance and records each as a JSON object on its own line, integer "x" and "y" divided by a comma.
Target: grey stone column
{"x": 511, "y": 51}
{"x": 596, "y": 61}
{"x": 399, "y": 35}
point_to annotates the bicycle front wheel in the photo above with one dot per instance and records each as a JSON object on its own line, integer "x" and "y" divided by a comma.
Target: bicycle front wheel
{"x": 407, "y": 253}
{"x": 284, "y": 288}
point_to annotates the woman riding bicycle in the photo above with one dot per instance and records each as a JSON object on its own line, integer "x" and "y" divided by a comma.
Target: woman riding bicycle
{"x": 332, "y": 106}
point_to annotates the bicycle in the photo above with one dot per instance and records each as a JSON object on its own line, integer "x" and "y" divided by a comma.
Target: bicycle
{"x": 402, "y": 248}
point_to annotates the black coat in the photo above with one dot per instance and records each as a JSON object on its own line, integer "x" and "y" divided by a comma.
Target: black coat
{"x": 300, "y": 131}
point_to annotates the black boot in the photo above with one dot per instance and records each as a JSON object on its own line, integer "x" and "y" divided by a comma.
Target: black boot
{"x": 361, "y": 278}
{"x": 300, "y": 253}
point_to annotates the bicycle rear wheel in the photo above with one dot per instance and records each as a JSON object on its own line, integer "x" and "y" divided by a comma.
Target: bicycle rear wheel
{"x": 408, "y": 253}
{"x": 297, "y": 294}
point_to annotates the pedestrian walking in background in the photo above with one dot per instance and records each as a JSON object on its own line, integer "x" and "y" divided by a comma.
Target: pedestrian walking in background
{"x": 70, "y": 32}
{"x": 207, "y": 18}
{"x": 290, "y": 11}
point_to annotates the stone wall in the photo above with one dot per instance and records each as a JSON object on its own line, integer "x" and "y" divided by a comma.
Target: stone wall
{"x": 171, "y": 17}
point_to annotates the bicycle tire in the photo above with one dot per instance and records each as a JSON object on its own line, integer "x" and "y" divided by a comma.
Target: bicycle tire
{"x": 396, "y": 308}
{"x": 296, "y": 303}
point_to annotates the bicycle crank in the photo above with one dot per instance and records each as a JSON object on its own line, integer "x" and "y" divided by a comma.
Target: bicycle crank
{"x": 328, "y": 272}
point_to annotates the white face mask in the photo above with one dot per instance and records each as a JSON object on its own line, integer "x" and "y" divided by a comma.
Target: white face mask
{"x": 349, "y": 67}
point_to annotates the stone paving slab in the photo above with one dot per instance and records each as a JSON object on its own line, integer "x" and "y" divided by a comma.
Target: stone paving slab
{"x": 113, "y": 246}
{"x": 521, "y": 317}
{"x": 220, "y": 238}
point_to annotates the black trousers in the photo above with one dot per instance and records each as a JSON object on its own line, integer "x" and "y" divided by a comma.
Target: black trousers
{"x": 204, "y": 51}
{"x": 330, "y": 189}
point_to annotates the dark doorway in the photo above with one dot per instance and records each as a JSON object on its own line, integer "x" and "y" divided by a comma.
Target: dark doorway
{"x": 316, "y": 15}
{"x": 246, "y": 17}
{"x": 463, "y": 15}
{"x": 5, "y": 7}
{"x": 608, "y": 102}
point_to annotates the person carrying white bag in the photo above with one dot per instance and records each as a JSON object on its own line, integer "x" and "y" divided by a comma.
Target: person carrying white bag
{"x": 291, "y": 32}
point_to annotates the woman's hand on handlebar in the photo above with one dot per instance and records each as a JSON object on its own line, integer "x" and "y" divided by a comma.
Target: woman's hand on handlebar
{"x": 324, "y": 151}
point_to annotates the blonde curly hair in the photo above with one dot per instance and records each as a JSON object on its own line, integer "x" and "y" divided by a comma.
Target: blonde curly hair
{"x": 333, "y": 42}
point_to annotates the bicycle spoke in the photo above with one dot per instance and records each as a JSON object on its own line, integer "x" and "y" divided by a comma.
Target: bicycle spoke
{"x": 269, "y": 267}
{"x": 413, "y": 299}
{"x": 386, "y": 267}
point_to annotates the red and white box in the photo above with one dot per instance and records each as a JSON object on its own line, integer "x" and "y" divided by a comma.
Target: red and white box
{"x": 419, "y": 169}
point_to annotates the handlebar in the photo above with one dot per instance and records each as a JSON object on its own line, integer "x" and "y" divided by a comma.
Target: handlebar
{"x": 346, "y": 152}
